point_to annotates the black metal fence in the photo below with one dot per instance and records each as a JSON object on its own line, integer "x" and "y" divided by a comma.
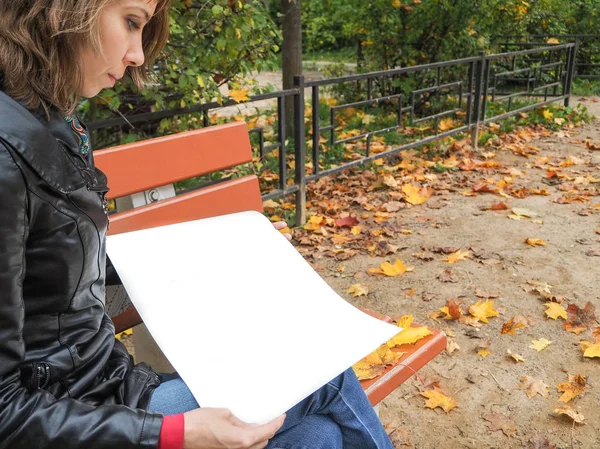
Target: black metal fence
{"x": 587, "y": 64}
{"x": 390, "y": 111}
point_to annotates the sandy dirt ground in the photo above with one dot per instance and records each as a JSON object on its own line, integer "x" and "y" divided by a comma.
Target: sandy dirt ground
{"x": 482, "y": 386}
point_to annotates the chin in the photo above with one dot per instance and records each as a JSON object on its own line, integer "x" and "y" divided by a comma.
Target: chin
{"x": 90, "y": 92}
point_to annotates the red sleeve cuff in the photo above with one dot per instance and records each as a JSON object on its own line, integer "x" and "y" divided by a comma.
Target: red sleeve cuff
{"x": 171, "y": 432}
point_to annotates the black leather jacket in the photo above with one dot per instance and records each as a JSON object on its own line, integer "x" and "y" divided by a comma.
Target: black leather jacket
{"x": 65, "y": 381}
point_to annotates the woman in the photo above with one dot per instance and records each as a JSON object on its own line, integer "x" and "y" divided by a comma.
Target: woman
{"x": 65, "y": 381}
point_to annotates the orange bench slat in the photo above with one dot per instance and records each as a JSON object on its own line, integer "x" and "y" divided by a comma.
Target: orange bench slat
{"x": 143, "y": 165}
{"x": 228, "y": 197}
{"x": 126, "y": 320}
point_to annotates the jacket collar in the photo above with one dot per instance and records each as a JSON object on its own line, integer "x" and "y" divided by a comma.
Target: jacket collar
{"x": 44, "y": 143}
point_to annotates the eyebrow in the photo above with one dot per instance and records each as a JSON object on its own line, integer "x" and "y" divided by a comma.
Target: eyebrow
{"x": 146, "y": 15}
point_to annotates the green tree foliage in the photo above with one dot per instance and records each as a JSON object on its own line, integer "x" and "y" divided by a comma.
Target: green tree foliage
{"x": 396, "y": 33}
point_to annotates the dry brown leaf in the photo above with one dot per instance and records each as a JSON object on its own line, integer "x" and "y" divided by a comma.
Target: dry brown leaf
{"x": 486, "y": 295}
{"x": 347, "y": 222}
{"x": 580, "y": 319}
{"x": 516, "y": 322}
{"x": 540, "y": 442}
{"x": 451, "y": 345}
{"x": 399, "y": 438}
{"x": 568, "y": 411}
{"x": 533, "y": 386}
{"x": 501, "y": 422}
{"x": 447, "y": 276}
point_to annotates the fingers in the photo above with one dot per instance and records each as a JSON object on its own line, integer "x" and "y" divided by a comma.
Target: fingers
{"x": 279, "y": 225}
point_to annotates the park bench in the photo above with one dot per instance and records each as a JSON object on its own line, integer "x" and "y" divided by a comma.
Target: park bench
{"x": 143, "y": 172}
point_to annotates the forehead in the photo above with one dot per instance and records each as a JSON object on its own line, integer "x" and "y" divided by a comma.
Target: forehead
{"x": 146, "y": 6}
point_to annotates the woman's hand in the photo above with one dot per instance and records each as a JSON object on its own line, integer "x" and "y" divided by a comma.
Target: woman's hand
{"x": 218, "y": 428}
{"x": 279, "y": 225}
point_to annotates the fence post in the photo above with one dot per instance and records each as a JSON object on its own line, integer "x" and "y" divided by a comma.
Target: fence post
{"x": 300, "y": 150}
{"x": 476, "y": 112}
{"x": 572, "y": 67}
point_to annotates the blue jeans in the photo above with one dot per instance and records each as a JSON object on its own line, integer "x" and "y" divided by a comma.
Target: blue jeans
{"x": 336, "y": 416}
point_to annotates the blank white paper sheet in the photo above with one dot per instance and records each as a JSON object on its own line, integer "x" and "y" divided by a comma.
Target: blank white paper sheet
{"x": 241, "y": 316}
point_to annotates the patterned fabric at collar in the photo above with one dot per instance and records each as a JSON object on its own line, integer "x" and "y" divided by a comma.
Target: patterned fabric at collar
{"x": 80, "y": 133}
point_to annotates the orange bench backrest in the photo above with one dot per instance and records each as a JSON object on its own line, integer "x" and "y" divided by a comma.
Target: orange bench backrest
{"x": 140, "y": 166}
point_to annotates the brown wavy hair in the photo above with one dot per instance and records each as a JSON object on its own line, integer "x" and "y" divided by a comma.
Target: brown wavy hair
{"x": 40, "y": 42}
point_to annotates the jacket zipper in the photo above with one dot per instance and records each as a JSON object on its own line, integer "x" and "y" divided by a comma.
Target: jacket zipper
{"x": 42, "y": 375}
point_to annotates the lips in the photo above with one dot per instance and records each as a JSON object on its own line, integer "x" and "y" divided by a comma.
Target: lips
{"x": 113, "y": 79}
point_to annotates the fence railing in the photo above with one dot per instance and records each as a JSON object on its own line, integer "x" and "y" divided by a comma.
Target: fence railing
{"x": 388, "y": 112}
{"x": 587, "y": 64}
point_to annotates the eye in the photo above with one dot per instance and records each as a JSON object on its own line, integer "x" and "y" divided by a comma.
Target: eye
{"x": 132, "y": 24}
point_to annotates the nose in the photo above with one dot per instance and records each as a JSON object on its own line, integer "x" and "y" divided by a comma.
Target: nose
{"x": 135, "y": 54}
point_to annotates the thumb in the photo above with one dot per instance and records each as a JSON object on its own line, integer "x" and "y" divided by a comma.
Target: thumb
{"x": 266, "y": 431}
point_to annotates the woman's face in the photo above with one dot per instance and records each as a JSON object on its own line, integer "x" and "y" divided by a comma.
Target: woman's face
{"x": 121, "y": 24}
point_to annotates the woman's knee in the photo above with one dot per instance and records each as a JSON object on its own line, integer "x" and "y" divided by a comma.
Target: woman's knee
{"x": 314, "y": 432}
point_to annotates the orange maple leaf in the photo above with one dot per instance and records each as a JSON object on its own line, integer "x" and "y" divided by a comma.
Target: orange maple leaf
{"x": 574, "y": 387}
{"x": 516, "y": 322}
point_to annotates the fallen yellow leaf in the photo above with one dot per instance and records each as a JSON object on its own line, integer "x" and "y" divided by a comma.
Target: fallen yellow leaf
{"x": 125, "y": 333}
{"x": 574, "y": 387}
{"x": 414, "y": 195}
{"x": 358, "y": 290}
{"x": 535, "y": 242}
{"x": 356, "y": 230}
{"x": 405, "y": 321}
{"x": 390, "y": 270}
{"x": 446, "y": 124}
{"x": 373, "y": 364}
{"x": 540, "y": 345}
{"x": 408, "y": 336}
{"x": 437, "y": 399}
{"x": 592, "y": 350}
{"x": 515, "y": 356}
{"x": 555, "y": 311}
{"x": 483, "y": 353}
{"x": 458, "y": 255}
{"x": 483, "y": 310}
